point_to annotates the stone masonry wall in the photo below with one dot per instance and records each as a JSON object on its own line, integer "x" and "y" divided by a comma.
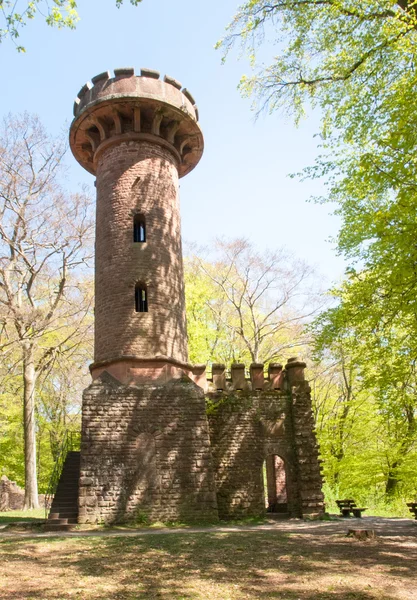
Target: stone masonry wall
{"x": 12, "y": 497}
{"x": 145, "y": 451}
{"x": 246, "y": 428}
{"x": 306, "y": 450}
{"x": 138, "y": 178}
{"x": 252, "y": 421}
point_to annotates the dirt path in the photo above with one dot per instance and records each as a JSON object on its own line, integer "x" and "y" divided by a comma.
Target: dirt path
{"x": 382, "y": 526}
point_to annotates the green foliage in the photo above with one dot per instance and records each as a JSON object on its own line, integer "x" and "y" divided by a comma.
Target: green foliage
{"x": 355, "y": 61}
{"x": 206, "y": 339}
{"x": 365, "y": 417}
{"x": 58, "y": 410}
{"x": 11, "y": 432}
{"x": 247, "y": 306}
{"x": 15, "y": 14}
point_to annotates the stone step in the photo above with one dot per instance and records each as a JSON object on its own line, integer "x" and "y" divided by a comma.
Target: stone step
{"x": 57, "y": 527}
{"x": 65, "y": 512}
{"x": 58, "y": 521}
{"x": 64, "y": 509}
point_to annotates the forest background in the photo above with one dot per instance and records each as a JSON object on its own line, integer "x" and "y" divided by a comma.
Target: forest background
{"x": 355, "y": 62}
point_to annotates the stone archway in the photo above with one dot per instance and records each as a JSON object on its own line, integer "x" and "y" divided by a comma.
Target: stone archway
{"x": 275, "y": 484}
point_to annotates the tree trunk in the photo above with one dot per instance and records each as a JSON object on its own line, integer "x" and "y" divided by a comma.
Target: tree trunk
{"x": 391, "y": 485}
{"x": 29, "y": 381}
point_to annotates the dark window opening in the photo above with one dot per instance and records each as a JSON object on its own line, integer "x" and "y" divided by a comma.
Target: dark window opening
{"x": 139, "y": 229}
{"x": 141, "y": 299}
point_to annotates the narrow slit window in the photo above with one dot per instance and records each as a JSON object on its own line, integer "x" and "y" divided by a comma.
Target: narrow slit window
{"x": 139, "y": 228}
{"x": 141, "y": 299}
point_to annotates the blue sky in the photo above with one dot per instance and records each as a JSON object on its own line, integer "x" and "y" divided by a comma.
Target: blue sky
{"x": 241, "y": 187}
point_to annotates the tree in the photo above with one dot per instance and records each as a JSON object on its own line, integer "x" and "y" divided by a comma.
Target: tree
{"x": 255, "y": 305}
{"x": 383, "y": 386}
{"x": 14, "y": 14}
{"x": 207, "y": 339}
{"x": 355, "y": 61}
{"x": 45, "y": 245}
{"x": 336, "y": 396}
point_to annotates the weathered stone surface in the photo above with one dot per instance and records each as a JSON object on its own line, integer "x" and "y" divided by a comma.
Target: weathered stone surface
{"x": 12, "y": 497}
{"x": 170, "y": 452}
{"x": 248, "y": 429}
{"x": 147, "y": 450}
{"x": 139, "y": 177}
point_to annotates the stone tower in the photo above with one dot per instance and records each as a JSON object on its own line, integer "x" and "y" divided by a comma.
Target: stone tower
{"x": 137, "y": 135}
{"x": 145, "y": 447}
{"x": 149, "y": 447}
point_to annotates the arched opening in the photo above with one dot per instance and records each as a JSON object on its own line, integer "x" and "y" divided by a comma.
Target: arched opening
{"x": 139, "y": 229}
{"x": 141, "y": 298}
{"x": 275, "y": 484}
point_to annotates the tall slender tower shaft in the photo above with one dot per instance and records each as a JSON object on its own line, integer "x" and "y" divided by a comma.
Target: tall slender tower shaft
{"x": 138, "y": 135}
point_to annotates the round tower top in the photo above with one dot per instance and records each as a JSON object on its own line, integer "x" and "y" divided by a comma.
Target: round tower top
{"x": 127, "y": 107}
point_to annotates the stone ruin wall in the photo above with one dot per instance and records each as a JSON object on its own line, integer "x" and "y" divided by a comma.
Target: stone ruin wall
{"x": 253, "y": 419}
{"x": 169, "y": 452}
{"x": 12, "y": 497}
{"x": 246, "y": 428}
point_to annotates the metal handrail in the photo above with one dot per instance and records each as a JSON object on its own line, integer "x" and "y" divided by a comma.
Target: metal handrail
{"x": 71, "y": 441}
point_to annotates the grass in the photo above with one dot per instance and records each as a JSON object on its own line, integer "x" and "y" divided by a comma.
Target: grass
{"x": 217, "y": 566}
{"x": 14, "y": 516}
{"x": 377, "y": 505}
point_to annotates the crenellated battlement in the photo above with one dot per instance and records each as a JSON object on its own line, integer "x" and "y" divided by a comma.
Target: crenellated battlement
{"x": 161, "y": 369}
{"x": 105, "y": 83}
{"x": 260, "y": 378}
{"x": 129, "y": 107}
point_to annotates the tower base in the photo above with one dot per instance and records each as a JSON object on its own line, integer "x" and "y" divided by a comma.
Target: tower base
{"x": 145, "y": 453}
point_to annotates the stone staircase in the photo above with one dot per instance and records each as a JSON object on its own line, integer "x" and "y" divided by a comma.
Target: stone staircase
{"x": 64, "y": 510}
{"x": 277, "y": 511}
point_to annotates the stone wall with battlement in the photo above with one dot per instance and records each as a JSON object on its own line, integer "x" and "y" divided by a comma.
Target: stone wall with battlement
{"x": 170, "y": 450}
{"x": 254, "y": 419}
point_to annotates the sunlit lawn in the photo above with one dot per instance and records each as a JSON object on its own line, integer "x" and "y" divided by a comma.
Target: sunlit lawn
{"x": 13, "y": 516}
{"x": 213, "y": 566}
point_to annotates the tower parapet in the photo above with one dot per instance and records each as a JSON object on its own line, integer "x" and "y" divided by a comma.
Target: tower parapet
{"x": 138, "y": 135}
{"x": 131, "y": 107}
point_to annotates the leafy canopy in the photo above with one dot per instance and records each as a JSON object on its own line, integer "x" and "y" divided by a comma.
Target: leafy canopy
{"x": 354, "y": 60}
{"x": 14, "y": 14}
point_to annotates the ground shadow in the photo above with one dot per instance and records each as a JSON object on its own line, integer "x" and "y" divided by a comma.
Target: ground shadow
{"x": 238, "y": 565}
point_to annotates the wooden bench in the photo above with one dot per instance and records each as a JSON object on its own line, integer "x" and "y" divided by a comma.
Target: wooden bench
{"x": 349, "y": 506}
{"x": 412, "y": 506}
